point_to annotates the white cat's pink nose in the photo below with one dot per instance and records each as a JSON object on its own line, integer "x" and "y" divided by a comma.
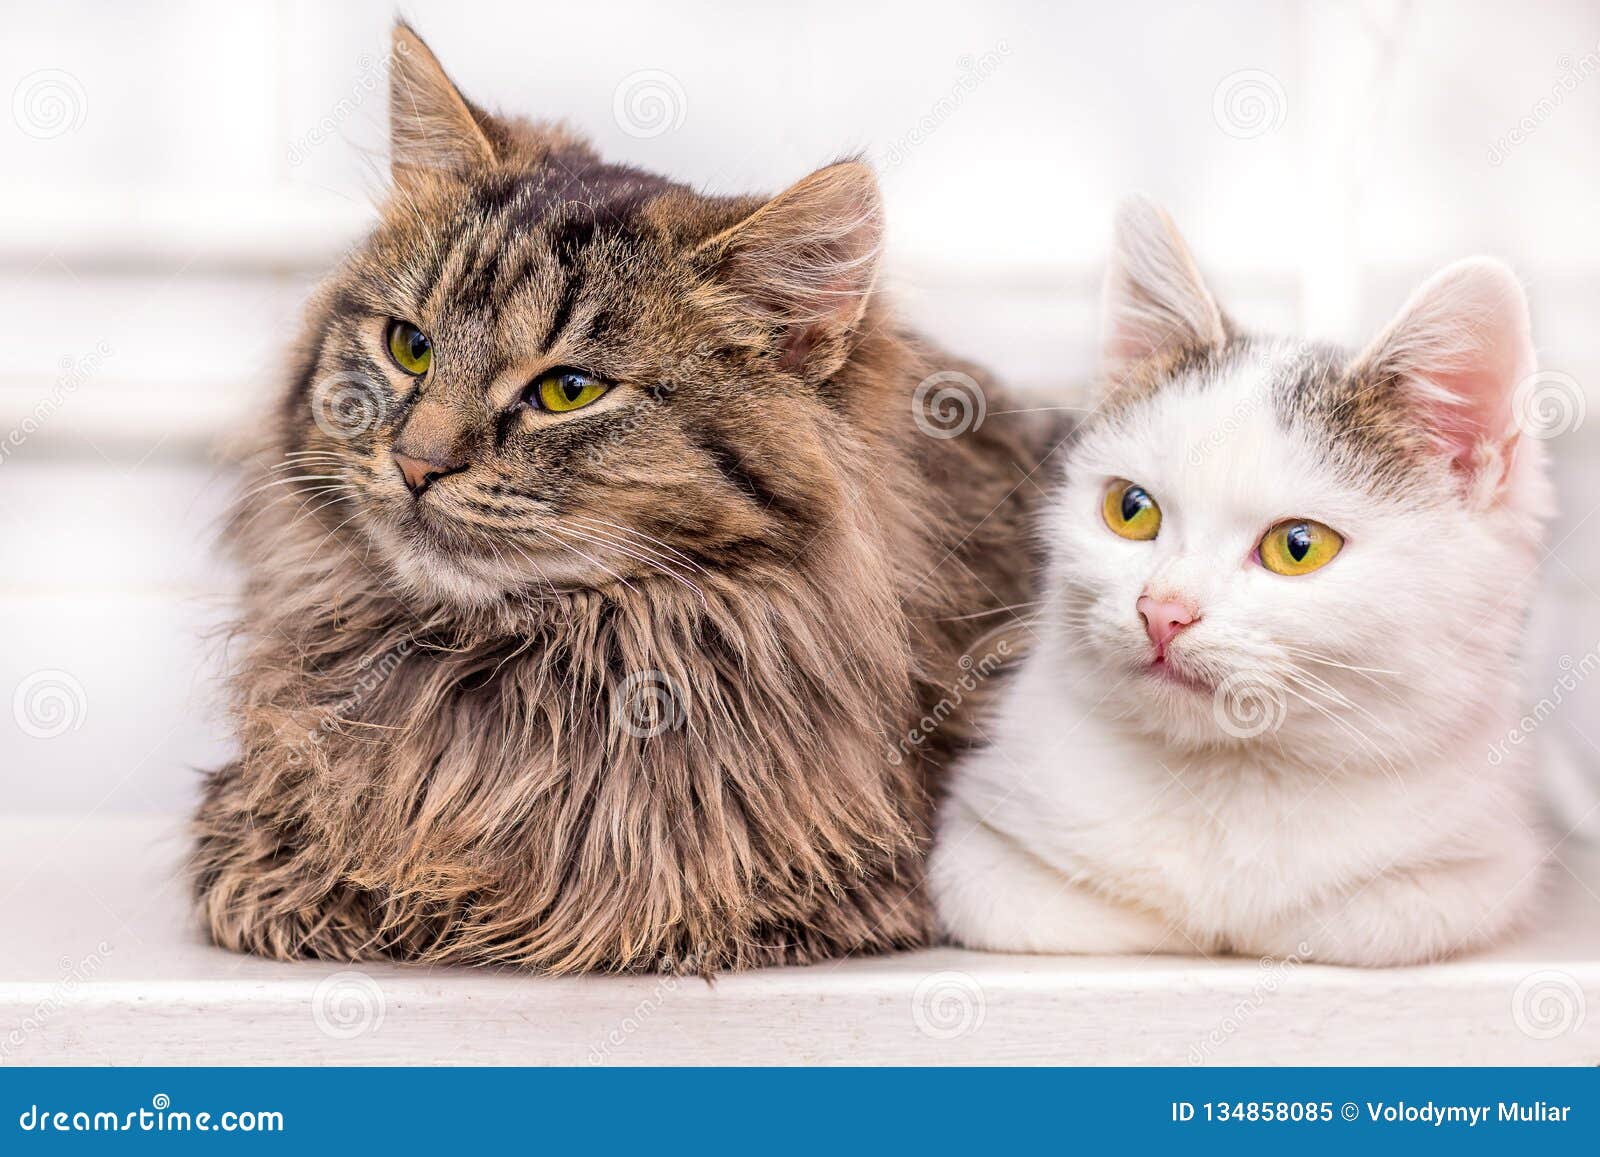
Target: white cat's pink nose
{"x": 1164, "y": 618}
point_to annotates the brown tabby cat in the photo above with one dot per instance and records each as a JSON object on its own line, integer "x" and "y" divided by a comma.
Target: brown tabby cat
{"x": 597, "y": 570}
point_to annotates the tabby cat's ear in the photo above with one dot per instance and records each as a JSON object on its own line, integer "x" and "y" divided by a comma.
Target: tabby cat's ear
{"x": 1459, "y": 348}
{"x": 432, "y": 127}
{"x": 1154, "y": 301}
{"x": 808, "y": 260}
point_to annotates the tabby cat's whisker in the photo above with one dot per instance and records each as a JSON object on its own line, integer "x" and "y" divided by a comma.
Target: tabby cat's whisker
{"x": 650, "y": 539}
{"x": 662, "y": 562}
{"x": 551, "y": 535}
{"x": 286, "y": 481}
{"x": 592, "y": 538}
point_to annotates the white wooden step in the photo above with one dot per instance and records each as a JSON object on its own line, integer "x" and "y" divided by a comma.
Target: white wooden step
{"x": 100, "y": 963}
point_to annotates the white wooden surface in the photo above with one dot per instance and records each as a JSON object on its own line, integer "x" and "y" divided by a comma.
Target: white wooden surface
{"x": 102, "y": 965}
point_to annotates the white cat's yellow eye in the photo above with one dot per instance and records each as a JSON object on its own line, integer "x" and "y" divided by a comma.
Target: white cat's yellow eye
{"x": 1130, "y": 511}
{"x": 1299, "y": 546}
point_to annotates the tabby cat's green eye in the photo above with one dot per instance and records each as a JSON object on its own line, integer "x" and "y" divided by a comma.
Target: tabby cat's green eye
{"x": 1130, "y": 511}
{"x": 1299, "y": 546}
{"x": 564, "y": 390}
{"x": 410, "y": 348}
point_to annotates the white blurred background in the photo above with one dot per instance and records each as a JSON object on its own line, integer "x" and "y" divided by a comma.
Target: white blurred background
{"x": 177, "y": 175}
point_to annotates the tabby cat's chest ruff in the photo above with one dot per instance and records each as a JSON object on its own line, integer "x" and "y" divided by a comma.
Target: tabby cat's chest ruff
{"x": 626, "y": 789}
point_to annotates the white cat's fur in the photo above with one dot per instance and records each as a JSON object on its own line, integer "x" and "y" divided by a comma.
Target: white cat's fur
{"x": 1326, "y": 791}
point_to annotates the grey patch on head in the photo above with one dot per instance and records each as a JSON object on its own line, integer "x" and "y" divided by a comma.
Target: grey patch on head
{"x": 1370, "y": 436}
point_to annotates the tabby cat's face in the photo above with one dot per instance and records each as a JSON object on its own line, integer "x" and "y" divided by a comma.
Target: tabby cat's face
{"x": 543, "y": 370}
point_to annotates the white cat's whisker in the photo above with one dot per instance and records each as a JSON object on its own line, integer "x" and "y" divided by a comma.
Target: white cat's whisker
{"x": 1384, "y": 760}
{"x": 663, "y": 562}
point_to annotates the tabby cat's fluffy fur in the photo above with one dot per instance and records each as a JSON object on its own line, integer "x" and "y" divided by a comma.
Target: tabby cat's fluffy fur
{"x": 626, "y": 687}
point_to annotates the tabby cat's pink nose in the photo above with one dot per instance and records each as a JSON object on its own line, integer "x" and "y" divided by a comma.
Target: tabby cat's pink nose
{"x": 1164, "y": 618}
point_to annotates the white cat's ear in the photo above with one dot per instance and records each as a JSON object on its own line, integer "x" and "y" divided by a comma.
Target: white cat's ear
{"x": 1460, "y": 346}
{"x": 432, "y": 127}
{"x": 808, "y": 259}
{"x": 1154, "y": 301}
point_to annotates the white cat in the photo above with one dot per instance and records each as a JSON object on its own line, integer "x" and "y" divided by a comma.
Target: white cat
{"x": 1277, "y": 643}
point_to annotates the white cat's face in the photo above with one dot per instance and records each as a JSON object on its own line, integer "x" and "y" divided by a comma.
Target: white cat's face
{"x": 1195, "y": 636}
